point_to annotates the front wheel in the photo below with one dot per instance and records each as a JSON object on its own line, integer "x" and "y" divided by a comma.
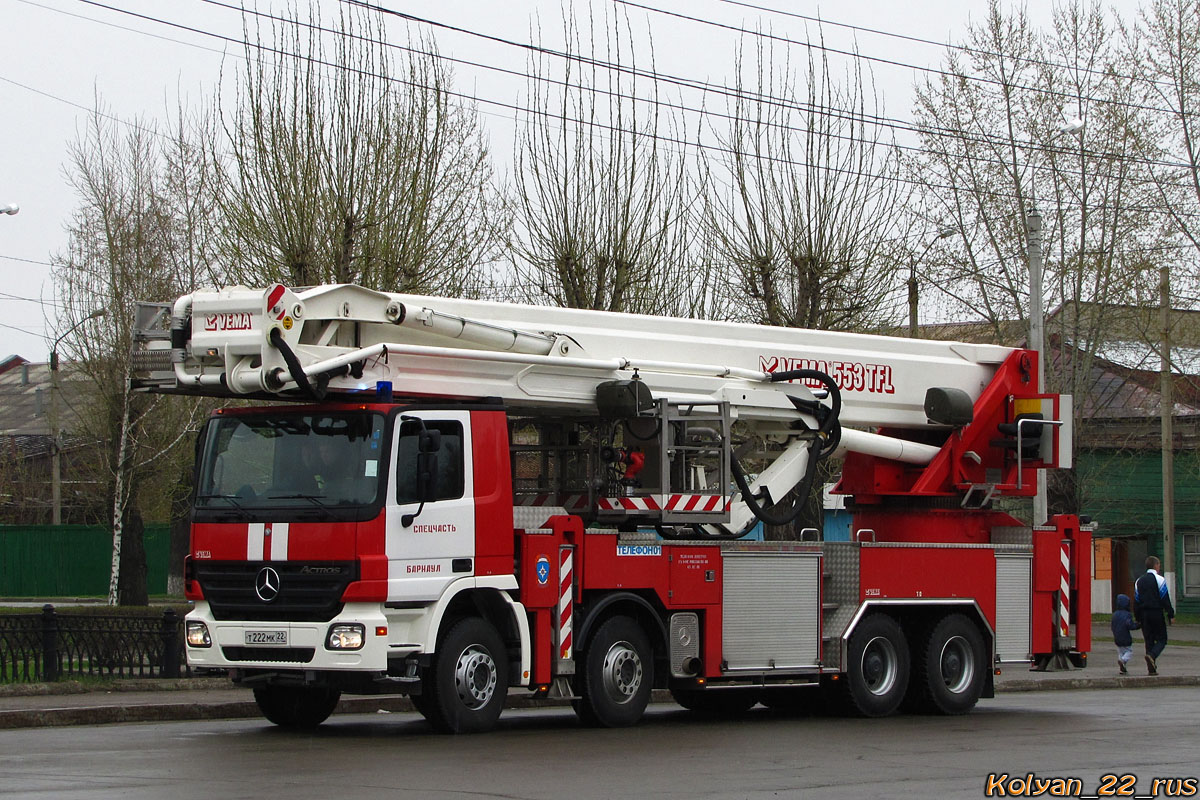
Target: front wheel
{"x": 300, "y": 707}
{"x": 878, "y": 667}
{"x": 466, "y": 685}
{"x": 951, "y": 668}
{"x": 618, "y": 675}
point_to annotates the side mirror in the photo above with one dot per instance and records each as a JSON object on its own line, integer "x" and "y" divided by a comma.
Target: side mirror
{"x": 429, "y": 442}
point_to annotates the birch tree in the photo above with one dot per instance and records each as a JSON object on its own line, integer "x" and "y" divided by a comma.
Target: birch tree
{"x": 132, "y": 237}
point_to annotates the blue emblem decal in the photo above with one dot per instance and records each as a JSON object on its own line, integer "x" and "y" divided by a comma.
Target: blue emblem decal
{"x": 543, "y": 570}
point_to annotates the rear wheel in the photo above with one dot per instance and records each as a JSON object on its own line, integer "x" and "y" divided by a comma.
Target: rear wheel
{"x": 300, "y": 707}
{"x": 466, "y": 685}
{"x": 878, "y": 667}
{"x": 950, "y": 668}
{"x": 717, "y": 701}
{"x": 618, "y": 675}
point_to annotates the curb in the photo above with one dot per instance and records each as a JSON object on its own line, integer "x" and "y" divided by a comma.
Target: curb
{"x": 1127, "y": 682}
{"x": 111, "y": 713}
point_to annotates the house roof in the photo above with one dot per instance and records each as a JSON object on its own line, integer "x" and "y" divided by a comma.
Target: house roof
{"x": 8, "y": 362}
{"x": 1123, "y": 372}
{"x": 25, "y": 399}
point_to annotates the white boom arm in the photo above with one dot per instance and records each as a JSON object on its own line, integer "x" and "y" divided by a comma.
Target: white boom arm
{"x": 538, "y": 357}
{"x": 241, "y": 341}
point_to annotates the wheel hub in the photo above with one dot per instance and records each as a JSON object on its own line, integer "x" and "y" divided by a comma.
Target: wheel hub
{"x": 475, "y": 677}
{"x": 957, "y": 665}
{"x": 622, "y": 672}
{"x": 879, "y": 665}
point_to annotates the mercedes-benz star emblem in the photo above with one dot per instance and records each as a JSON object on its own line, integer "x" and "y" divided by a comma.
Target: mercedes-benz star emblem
{"x": 266, "y": 585}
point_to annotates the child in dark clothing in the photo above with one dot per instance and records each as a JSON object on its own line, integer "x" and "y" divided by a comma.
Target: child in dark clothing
{"x": 1122, "y": 624}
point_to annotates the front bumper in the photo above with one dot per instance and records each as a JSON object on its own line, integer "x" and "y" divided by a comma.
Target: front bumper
{"x": 238, "y": 644}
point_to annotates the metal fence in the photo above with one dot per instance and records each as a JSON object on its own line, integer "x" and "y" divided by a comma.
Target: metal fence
{"x": 50, "y": 646}
{"x": 74, "y": 560}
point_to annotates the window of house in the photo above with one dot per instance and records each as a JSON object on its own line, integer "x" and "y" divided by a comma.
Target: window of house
{"x": 1191, "y": 564}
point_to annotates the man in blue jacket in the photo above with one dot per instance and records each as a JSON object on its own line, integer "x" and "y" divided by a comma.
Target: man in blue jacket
{"x": 1151, "y": 601}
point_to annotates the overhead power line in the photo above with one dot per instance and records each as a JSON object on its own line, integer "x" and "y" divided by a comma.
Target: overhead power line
{"x": 756, "y": 96}
{"x": 536, "y": 112}
{"x": 975, "y": 51}
{"x": 880, "y": 60}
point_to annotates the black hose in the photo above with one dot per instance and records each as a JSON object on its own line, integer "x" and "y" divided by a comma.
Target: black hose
{"x": 829, "y": 434}
{"x": 317, "y": 393}
{"x": 828, "y": 422}
{"x": 804, "y": 487}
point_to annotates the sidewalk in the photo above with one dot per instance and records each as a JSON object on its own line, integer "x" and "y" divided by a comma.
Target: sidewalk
{"x": 147, "y": 700}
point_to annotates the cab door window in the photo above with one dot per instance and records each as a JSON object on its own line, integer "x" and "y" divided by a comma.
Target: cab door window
{"x": 448, "y": 479}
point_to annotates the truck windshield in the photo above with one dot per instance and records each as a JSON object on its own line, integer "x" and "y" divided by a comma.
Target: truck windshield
{"x": 301, "y": 460}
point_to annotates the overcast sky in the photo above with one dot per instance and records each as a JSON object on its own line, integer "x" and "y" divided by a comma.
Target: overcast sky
{"x": 58, "y": 55}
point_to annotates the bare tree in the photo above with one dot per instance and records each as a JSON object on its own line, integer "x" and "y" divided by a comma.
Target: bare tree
{"x": 130, "y": 239}
{"x": 800, "y": 214}
{"x": 600, "y": 200}
{"x": 1165, "y": 44}
{"x": 995, "y": 148}
{"x": 335, "y": 167}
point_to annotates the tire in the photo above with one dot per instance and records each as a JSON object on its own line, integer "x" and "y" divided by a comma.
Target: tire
{"x": 950, "y": 668}
{"x": 420, "y": 703}
{"x": 467, "y": 682}
{"x": 617, "y": 677}
{"x": 298, "y": 707}
{"x": 717, "y": 701}
{"x": 878, "y": 667}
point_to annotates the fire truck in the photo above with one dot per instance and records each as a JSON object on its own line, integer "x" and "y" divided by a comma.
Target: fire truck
{"x": 459, "y": 500}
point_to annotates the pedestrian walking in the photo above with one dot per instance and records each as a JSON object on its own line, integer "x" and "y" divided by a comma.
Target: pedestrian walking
{"x": 1122, "y": 625}
{"x": 1152, "y": 608}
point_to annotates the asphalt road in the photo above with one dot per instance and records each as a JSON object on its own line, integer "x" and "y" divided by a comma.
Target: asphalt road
{"x": 1149, "y": 733}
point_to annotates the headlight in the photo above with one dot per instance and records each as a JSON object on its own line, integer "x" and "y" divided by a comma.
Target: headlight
{"x": 345, "y": 636}
{"x": 197, "y": 634}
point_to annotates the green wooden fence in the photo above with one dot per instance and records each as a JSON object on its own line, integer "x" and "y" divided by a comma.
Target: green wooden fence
{"x": 71, "y": 560}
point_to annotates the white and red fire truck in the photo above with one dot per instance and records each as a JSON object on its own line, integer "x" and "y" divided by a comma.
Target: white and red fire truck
{"x": 467, "y": 499}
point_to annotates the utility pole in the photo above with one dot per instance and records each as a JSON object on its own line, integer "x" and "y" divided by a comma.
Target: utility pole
{"x": 1166, "y": 390}
{"x": 1033, "y": 241}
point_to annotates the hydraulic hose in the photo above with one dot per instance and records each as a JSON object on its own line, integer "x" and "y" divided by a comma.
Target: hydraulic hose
{"x": 829, "y": 434}
{"x": 296, "y": 370}
{"x": 805, "y": 486}
{"x": 828, "y": 425}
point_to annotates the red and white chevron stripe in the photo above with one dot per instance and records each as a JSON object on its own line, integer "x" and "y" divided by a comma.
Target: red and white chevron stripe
{"x": 565, "y": 580}
{"x": 697, "y": 502}
{"x": 674, "y": 502}
{"x": 1064, "y": 590}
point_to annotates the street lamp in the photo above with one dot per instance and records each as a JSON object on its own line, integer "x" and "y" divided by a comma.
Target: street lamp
{"x": 913, "y": 292}
{"x": 10, "y": 209}
{"x": 55, "y": 435}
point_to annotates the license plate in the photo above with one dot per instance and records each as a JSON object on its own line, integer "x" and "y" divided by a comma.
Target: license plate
{"x": 266, "y": 637}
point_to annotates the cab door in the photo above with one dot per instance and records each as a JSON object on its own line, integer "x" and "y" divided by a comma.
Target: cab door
{"x": 430, "y": 544}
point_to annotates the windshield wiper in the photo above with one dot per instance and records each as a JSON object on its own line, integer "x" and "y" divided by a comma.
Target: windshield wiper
{"x": 232, "y": 498}
{"x": 312, "y": 498}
